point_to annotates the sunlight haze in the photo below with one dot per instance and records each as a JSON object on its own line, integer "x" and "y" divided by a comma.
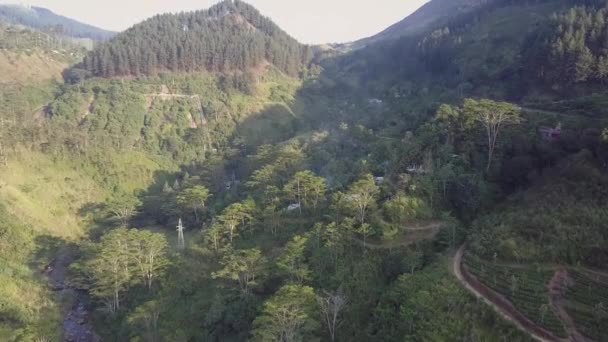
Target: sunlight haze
{"x": 312, "y": 21}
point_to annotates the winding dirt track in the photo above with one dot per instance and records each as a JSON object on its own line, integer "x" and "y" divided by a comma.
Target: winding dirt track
{"x": 503, "y": 310}
{"x": 557, "y": 291}
{"x": 417, "y": 233}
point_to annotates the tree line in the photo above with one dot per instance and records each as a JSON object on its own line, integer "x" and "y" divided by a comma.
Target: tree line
{"x": 577, "y": 46}
{"x": 227, "y": 37}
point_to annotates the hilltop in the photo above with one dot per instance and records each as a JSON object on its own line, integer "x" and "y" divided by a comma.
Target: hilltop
{"x": 230, "y": 36}
{"x": 45, "y": 20}
{"x": 315, "y": 197}
{"x": 433, "y": 14}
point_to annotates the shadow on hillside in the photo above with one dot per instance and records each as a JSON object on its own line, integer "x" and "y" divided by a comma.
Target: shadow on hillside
{"x": 51, "y": 251}
{"x": 315, "y": 106}
{"x": 274, "y": 124}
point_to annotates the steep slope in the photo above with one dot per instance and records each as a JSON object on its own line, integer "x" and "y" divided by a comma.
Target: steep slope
{"x": 227, "y": 37}
{"x": 503, "y": 49}
{"x": 44, "y": 19}
{"x": 277, "y": 178}
{"x": 435, "y": 13}
{"x": 22, "y": 69}
{"x": 30, "y": 56}
{"x": 531, "y": 248}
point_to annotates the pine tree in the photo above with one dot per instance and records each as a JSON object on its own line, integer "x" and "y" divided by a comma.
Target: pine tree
{"x": 190, "y": 41}
{"x": 602, "y": 68}
{"x": 585, "y": 64}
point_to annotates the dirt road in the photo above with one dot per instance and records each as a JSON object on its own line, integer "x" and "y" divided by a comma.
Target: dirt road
{"x": 415, "y": 233}
{"x": 504, "y": 312}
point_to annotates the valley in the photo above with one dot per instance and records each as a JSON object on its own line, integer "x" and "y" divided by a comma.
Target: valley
{"x": 204, "y": 176}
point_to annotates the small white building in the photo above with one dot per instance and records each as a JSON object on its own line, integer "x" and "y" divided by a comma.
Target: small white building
{"x": 293, "y": 207}
{"x": 416, "y": 169}
{"x": 375, "y": 102}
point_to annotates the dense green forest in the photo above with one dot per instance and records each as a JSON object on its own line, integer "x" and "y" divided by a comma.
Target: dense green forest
{"x": 182, "y": 185}
{"x": 229, "y": 36}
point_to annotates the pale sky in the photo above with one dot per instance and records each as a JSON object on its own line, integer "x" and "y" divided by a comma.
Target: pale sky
{"x": 310, "y": 21}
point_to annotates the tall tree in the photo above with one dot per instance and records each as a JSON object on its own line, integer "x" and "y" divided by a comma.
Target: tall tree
{"x": 288, "y": 316}
{"x": 214, "y": 236}
{"x": 124, "y": 257}
{"x": 146, "y": 317}
{"x": 361, "y": 196}
{"x": 194, "y": 198}
{"x": 123, "y": 207}
{"x": 149, "y": 254}
{"x": 292, "y": 260}
{"x": 109, "y": 268}
{"x": 493, "y": 116}
{"x": 243, "y": 266}
{"x": 233, "y": 217}
{"x": 331, "y": 306}
{"x": 306, "y": 188}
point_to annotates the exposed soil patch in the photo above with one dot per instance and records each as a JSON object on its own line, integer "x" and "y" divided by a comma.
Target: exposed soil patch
{"x": 558, "y": 286}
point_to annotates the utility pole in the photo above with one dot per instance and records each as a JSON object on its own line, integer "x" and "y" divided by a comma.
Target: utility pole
{"x": 181, "y": 244}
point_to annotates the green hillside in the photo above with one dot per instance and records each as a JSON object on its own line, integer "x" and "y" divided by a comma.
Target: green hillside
{"x": 443, "y": 182}
{"x": 227, "y": 37}
{"x": 430, "y": 15}
{"x": 45, "y": 20}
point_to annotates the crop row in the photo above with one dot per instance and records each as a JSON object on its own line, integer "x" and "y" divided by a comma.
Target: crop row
{"x": 587, "y": 291}
{"x": 589, "y": 324}
{"x": 524, "y": 288}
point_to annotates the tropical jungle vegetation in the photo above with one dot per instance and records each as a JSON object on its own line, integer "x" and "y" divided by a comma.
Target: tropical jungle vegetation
{"x": 205, "y": 177}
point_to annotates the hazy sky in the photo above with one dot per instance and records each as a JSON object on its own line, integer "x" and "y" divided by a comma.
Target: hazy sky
{"x": 310, "y": 21}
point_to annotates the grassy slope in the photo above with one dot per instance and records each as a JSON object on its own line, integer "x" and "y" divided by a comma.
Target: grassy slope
{"x": 42, "y": 194}
{"x": 45, "y": 194}
{"x": 23, "y": 68}
{"x": 41, "y": 200}
{"x": 27, "y": 307}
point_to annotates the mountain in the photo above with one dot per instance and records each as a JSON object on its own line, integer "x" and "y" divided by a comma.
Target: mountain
{"x": 517, "y": 50}
{"x": 29, "y": 56}
{"x": 44, "y": 19}
{"x": 229, "y": 36}
{"x": 387, "y": 193}
{"x": 433, "y": 14}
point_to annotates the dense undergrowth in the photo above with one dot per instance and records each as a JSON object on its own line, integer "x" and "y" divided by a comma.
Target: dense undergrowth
{"x": 280, "y": 183}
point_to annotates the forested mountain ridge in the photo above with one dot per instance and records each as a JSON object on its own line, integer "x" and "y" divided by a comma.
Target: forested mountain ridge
{"x": 322, "y": 203}
{"x": 45, "y": 20}
{"x": 230, "y": 36}
{"x": 523, "y": 51}
{"x": 432, "y": 13}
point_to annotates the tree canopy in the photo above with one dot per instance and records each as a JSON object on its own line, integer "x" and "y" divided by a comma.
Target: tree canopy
{"x": 230, "y": 36}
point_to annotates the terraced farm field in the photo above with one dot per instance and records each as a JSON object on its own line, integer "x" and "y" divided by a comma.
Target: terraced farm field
{"x": 525, "y": 288}
{"x": 586, "y": 301}
{"x": 571, "y": 304}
